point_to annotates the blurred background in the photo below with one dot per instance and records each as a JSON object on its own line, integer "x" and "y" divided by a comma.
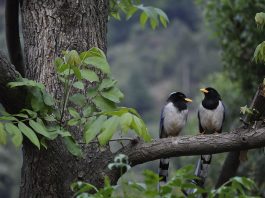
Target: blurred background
{"x": 205, "y": 44}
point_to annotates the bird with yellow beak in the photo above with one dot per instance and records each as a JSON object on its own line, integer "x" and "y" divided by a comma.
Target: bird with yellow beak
{"x": 173, "y": 119}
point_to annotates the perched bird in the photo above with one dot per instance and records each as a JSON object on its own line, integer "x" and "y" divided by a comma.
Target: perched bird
{"x": 173, "y": 119}
{"x": 211, "y": 115}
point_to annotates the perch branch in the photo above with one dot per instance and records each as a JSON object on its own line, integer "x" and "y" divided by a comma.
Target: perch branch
{"x": 237, "y": 140}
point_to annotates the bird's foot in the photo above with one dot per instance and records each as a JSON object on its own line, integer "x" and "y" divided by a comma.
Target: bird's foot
{"x": 201, "y": 133}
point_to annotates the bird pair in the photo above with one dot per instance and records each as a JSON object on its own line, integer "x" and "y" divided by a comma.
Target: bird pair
{"x": 211, "y": 114}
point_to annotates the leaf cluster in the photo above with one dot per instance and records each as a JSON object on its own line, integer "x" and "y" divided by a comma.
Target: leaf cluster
{"x": 90, "y": 102}
{"x": 176, "y": 187}
{"x": 130, "y": 7}
{"x": 235, "y": 29}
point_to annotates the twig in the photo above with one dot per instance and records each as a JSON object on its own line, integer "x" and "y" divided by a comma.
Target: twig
{"x": 112, "y": 140}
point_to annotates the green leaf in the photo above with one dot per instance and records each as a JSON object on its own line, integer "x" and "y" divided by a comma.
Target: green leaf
{"x": 92, "y": 129}
{"x": 48, "y": 99}
{"x": 125, "y": 121}
{"x": 39, "y": 129}
{"x": 73, "y": 112}
{"x": 37, "y": 102}
{"x": 109, "y": 128}
{"x": 92, "y": 92}
{"x": 15, "y": 132}
{"x": 62, "y": 68}
{"x": 72, "y": 58}
{"x": 64, "y": 133}
{"x": 73, "y": 122}
{"x": 31, "y": 113}
{"x": 103, "y": 104}
{"x": 162, "y": 16}
{"x": 90, "y": 75}
{"x": 72, "y": 146}
{"x": 2, "y": 134}
{"x": 97, "y": 52}
{"x": 153, "y": 23}
{"x": 143, "y": 19}
{"x": 140, "y": 128}
{"x": 107, "y": 83}
{"x": 113, "y": 94}
{"x": 29, "y": 134}
{"x": 58, "y": 62}
{"x": 43, "y": 143}
{"x": 130, "y": 12}
{"x": 98, "y": 62}
{"x": 26, "y": 82}
{"x": 77, "y": 73}
{"x": 21, "y": 115}
{"x": 50, "y": 118}
{"x": 8, "y": 118}
{"x": 78, "y": 99}
{"x": 87, "y": 111}
{"x": 79, "y": 85}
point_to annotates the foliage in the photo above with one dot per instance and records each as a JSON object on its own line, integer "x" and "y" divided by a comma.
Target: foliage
{"x": 130, "y": 7}
{"x": 238, "y": 36}
{"x": 177, "y": 186}
{"x": 85, "y": 91}
{"x": 259, "y": 54}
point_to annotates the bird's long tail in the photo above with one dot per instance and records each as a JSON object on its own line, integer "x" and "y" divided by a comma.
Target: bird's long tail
{"x": 163, "y": 171}
{"x": 201, "y": 171}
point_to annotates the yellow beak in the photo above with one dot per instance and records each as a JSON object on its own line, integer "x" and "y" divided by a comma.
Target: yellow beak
{"x": 204, "y": 90}
{"x": 188, "y": 100}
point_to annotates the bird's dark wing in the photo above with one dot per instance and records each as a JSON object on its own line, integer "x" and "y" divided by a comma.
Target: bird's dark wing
{"x": 223, "y": 118}
{"x": 161, "y": 126}
{"x": 200, "y": 126}
{"x": 223, "y": 113}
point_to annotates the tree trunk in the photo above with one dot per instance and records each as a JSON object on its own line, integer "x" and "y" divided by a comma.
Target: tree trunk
{"x": 48, "y": 28}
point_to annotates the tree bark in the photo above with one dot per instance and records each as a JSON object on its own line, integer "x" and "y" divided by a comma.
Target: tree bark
{"x": 48, "y": 28}
{"x": 12, "y": 99}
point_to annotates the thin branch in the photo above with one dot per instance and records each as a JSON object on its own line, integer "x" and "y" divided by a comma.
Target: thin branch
{"x": 232, "y": 161}
{"x": 112, "y": 140}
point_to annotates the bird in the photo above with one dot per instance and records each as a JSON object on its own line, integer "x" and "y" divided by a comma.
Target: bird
{"x": 211, "y": 116}
{"x": 172, "y": 120}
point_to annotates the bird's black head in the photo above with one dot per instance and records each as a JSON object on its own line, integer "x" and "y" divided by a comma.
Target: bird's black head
{"x": 179, "y": 100}
{"x": 211, "y": 99}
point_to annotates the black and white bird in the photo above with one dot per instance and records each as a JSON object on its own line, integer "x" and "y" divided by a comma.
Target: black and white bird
{"x": 211, "y": 115}
{"x": 173, "y": 118}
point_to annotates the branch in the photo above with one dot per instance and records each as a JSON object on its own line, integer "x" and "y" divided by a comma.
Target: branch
{"x": 12, "y": 99}
{"x": 237, "y": 140}
{"x": 232, "y": 161}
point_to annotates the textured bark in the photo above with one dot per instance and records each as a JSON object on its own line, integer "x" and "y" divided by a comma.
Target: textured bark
{"x": 48, "y": 28}
{"x": 196, "y": 145}
{"x": 11, "y": 99}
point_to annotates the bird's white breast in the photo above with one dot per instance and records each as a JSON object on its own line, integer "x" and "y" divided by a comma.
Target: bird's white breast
{"x": 211, "y": 120}
{"x": 174, "y": 120}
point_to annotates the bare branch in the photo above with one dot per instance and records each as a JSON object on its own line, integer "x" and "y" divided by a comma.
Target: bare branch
{"x": 239, "y": 139}
{"x": 232, "y": 161}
